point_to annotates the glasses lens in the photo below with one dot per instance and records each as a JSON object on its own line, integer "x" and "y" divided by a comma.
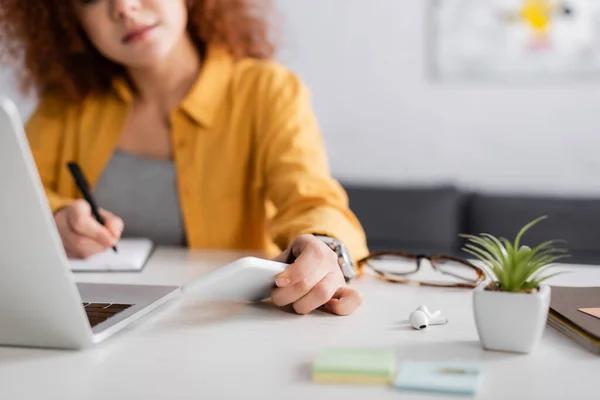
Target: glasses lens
{"x": 393, "y": 264}
{"x": 457, "y": 270}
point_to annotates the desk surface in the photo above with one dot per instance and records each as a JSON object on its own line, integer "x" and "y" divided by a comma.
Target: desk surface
{"x": 191, "y": 348}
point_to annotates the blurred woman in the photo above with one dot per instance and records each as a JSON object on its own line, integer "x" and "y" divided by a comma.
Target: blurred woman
{"x": 188, "y": 133}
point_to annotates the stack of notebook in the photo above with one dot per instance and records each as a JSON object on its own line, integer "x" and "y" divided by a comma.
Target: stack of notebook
{"x": 575, "y": 311}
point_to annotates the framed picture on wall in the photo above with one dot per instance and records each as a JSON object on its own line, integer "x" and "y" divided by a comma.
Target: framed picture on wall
{"x": 514, "y": 39}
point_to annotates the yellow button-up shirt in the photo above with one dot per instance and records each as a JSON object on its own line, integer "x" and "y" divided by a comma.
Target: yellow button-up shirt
{"x": 252, "y": 170}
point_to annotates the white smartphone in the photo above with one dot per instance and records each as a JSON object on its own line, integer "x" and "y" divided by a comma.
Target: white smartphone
{"x": 246, "y": 279}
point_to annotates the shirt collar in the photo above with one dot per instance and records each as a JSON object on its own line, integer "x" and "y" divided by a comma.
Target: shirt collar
{"x": 207, "y": 93}
{"x": 122, "y": 89}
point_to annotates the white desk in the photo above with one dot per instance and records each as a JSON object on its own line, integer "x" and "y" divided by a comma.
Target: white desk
{"x": 198, "y": 350}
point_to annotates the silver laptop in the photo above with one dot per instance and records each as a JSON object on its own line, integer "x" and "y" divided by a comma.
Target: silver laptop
{"x": 40, "y": 303}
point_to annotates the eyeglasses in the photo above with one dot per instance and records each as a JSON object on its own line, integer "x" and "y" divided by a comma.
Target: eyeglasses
{"x": 397, "y": 266}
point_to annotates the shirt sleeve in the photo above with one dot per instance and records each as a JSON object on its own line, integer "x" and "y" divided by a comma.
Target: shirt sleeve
{"x": 296, "y": 173}
{"x": 45, "y": 133}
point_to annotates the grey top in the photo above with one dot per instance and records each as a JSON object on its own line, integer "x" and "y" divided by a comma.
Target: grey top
{"x": 143, "y": 192}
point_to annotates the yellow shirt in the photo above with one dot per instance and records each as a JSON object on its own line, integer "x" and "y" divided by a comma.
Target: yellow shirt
{"x": 252, "y": 170}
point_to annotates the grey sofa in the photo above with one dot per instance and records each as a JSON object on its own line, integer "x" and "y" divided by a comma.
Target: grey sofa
{"x": 430, "y": 219}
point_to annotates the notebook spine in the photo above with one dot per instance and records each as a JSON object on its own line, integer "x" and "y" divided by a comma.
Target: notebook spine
{"x": 590, "y": 343}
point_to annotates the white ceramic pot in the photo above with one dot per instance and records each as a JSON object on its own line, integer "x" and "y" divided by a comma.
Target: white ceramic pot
{"x": 510, "y": 321}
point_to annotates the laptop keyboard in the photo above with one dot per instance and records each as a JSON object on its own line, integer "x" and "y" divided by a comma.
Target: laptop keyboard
{"x": 100, "y": 312}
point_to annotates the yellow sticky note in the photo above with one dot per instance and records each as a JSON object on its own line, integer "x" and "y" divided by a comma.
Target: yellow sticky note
{"x": 354, "y": 365}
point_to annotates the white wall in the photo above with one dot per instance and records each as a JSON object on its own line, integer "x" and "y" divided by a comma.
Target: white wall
{"x": 385, "y": 121}
{"x": 9, "y": 88}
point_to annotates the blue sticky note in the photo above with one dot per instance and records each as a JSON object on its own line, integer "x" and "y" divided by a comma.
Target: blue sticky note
{"x": 439, "y": 377}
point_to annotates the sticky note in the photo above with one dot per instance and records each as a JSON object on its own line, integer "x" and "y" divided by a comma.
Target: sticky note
{"x": 354, "y": 365}
{"x": 438, "y": 377}
{"x": 594, "y": 312}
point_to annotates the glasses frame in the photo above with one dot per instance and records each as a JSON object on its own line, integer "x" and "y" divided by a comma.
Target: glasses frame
{"x": 398, "y": 277}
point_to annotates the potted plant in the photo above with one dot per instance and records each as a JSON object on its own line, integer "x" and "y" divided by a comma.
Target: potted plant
{"x": 511, "y": 310}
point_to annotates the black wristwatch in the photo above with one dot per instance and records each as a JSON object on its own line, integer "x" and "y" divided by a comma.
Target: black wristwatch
{"x": 344, "y": 259}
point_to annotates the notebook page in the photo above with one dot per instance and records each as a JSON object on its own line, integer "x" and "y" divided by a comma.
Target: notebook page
{"x": 132, "y": 255}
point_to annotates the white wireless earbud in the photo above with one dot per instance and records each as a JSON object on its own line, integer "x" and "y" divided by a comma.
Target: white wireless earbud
{"x": 418, "y": 320}
{"x": 421, "y": 318}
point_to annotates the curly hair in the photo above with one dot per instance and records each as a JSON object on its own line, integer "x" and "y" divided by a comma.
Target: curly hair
{"x": 57, "y": 57}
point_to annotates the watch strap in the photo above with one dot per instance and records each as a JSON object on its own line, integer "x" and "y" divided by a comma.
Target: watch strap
{"x": 343, "y": 256}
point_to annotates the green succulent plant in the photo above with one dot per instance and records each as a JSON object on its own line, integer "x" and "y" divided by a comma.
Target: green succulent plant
{"x": 514, "y": 268}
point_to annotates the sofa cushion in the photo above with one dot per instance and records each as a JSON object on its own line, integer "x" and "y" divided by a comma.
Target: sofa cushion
{"x": 577, "y": 221}
{"x": 424, "y": 219}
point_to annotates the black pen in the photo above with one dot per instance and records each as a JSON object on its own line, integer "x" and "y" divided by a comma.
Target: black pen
{"x": 84, "y": 188}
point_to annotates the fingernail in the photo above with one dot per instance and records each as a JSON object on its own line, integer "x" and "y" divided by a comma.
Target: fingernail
{"x": 282, "y": 282}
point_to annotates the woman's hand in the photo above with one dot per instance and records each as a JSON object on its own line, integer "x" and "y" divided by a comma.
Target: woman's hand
{"x": 82, "y": 236}
{"x": 314, "y": 279}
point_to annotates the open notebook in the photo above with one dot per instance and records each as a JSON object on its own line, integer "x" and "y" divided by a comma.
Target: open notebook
{"x": 132, "y": 255}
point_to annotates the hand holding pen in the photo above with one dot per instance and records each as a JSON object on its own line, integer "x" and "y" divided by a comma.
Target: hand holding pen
{"x": 85, "y": 228}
